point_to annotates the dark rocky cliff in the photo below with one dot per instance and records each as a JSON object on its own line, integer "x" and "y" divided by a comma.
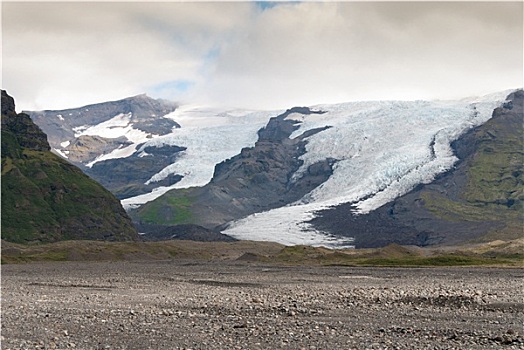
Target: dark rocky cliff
{"x": 29, "y": 135}
{"x": 45, "y": 198}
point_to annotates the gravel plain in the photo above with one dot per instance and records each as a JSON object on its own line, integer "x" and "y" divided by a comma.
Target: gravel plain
{"x": 243, "y": 305}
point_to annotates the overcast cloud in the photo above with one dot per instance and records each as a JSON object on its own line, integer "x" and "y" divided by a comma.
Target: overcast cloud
{"x": 258, "y": 55}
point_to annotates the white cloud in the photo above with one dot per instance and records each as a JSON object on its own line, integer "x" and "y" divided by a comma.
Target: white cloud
{"x": 327, "y": 52}
{"x": 58, "y": 55}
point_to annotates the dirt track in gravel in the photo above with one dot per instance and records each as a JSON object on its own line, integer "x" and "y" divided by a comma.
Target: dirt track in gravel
{"x": 241, "y": 305}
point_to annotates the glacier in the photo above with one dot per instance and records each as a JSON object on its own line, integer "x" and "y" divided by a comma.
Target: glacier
{"x": 211, "y": 136}
{"x": 383, "y": 150}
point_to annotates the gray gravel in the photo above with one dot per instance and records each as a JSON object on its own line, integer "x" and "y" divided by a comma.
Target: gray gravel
{"x": 224, "y": 305}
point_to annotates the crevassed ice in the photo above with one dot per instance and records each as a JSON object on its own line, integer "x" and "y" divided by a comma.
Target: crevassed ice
{"x": 286, "y": 226}
{"x": 387, "y": 148}
{"x": 210, "y": 136}
{"x": 383, "y": 150}
{"x": 208, "y": 145}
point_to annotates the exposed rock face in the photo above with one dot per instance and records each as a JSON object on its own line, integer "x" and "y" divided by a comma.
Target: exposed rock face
{"x": 29, "y": 135}
{"x": 259, "y": 178}
{"x": 480, "y": 198}
{"x": 182, "y": 232}
{"x": 44, "y": 198}
{"x": 59, "y": 125}
{"x": 124, "y": 177}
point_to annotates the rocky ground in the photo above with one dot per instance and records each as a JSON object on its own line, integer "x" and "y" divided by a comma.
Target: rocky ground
{"x": 242, "y": 305}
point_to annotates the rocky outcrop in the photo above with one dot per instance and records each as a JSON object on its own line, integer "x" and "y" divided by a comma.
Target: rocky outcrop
{"x": 127, "y": 177}
{"x": 45, "y": 198}
{"x": 28, "y": 134}
{"x": 89, "y": 147}
{"x": 63, "y": 126}
{"x": 258, "y": 179}
{"x": 481, "y": 198}
{"x": 186, "y": 232}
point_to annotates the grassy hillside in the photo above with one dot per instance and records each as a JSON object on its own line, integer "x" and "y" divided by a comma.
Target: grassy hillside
{"x": 494, "y": 182}
{"x": 46, "y": 199}
{"x": 173, "y": 208}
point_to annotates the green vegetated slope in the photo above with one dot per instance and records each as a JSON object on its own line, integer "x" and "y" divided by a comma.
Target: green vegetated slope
{"x": 171, "y": 209}
{"x": 44, "y": 198}
{"x": 494, "y": 183}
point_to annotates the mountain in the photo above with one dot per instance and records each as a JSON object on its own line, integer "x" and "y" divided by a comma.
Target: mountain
{"x": 45, "y": 198}
{"x": 318, "y": 175}
{"x": 137, "y": 149}
{"x": 92, "y": 136}
{"x": 306, "y": 161}
{"x": 255, "y": 180}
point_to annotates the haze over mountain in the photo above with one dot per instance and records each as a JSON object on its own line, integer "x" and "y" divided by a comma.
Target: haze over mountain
{"x": 287, "y": 168}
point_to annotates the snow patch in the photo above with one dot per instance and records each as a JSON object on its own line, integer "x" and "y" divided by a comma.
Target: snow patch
{"x": 118, "y": 126}
{"x": 62, "y": 154}
{"x": 113, "y": 128}
{"x": 80, "y": 129}
{"x": 121, "y": 152}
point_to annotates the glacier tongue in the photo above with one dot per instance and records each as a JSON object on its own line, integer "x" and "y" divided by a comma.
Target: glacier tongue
{"x": 383, "y": 150}
{"x": 210, "y": 136}
{"x": 286, "y": 225}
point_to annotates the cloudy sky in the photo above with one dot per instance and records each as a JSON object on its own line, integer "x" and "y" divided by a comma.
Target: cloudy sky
{"x": 258, "y": 54}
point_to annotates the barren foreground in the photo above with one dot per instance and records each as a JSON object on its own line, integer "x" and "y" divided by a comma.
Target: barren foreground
{"x": 225, "y": 305}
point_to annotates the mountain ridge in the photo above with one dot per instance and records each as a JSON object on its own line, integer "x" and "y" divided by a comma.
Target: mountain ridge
{"x": 281, "y": 169}
{"x": 47, "y": 199}
{"x": 77, "y": 135}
